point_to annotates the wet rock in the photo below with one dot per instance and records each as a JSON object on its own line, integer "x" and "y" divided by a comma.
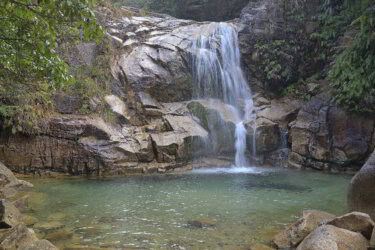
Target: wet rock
{"x": 267, "y": 134}
{"x": 297, "y": 231}
{"x": 361, "y": 189}
{"x": 9, "y": 215}
{"x": 202, "y": 223}
{"x": 118, "y": 107}
{"x": 220, "y": 120}
{"x": 17, "y": 237}
{"x": 58, "y": 236}
{"x": 328, "y": 237}
{"x": 48, "y": 226}
{"x": 29, "y": 220}
{"x": 355, "y": 222}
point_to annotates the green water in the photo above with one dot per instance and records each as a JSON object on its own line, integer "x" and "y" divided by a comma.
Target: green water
{"x": 151, "y": 212}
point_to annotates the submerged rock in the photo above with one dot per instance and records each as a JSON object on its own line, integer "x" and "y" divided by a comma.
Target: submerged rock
{"x": 297, "y": 231}
{"x": 29, "y": 220}
{"x": 202, "y": 223}
{"x": 58, "y": 236}
{"x": 328, "y": 237}
{"x": 49, "y": 226}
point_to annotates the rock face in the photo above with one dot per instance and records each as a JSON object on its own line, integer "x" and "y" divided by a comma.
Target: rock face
{"x": 296, "y": 232}
{"x": 82, "y": 145}
{"x": 156, "y": 54}
{"x": 262, "y": 24}
{"x": 324, "y": 136}
{"x": 361, "y": 189}
{"x": 328, "y": 237}
{"x": 212, "y": 10}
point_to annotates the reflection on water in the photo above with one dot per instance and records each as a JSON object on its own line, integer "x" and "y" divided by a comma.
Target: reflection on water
{"x": 204, "y": 209}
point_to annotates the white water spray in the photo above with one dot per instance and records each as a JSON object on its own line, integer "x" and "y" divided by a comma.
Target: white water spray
{"x": 218, "y": 74}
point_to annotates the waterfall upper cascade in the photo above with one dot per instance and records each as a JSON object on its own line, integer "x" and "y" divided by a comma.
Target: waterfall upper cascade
{"x": 217, "y": 74}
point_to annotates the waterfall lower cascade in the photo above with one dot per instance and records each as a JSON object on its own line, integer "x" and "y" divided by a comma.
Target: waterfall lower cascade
{"x": 217, "y": 74}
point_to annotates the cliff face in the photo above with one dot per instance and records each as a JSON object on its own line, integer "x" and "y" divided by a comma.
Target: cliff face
{"x": 155, "y": 127}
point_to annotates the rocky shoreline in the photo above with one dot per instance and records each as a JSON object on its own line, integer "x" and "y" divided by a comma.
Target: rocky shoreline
{"x": 14, "y": 233}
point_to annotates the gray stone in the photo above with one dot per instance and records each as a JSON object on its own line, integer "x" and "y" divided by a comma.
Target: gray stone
{"x": 17, "y": 238}
{"x": 297, "y": 231}
{"x": 9, "y": 215}
{"x": 361, "y": 194}
{"x": 325, "y": 136}
{"x": 328, "y": 237}
{"x": 355, "y": 222}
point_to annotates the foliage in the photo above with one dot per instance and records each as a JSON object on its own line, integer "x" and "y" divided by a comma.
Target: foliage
{"x": 353, "y": 74}
{"x": 277, "y": 60}
{"x": 30, "y": 68}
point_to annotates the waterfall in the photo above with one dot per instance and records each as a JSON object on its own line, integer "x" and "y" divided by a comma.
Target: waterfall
{"x": 217, "y": 74}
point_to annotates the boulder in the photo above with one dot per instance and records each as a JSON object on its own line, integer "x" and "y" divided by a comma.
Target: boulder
{"x": 361, "y": 189}
{"x": 326, "y": 137}
{"x": 372, "y": 240}
{"x": 9, "y": 215}
{"x": 267, "y": 135}
{"x": 220, "y": 120}
{"x": 281, "y": 111}
{"x": 189, "y": 137}
{"x": 18, "y": 237}
{"x": 296, "y": 232}
{"x": 328, "y": 237}
{"x": 355, "y": 222}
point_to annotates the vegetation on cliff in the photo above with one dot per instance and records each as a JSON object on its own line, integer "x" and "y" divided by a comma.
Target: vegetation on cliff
{"x": 30, "y": 68}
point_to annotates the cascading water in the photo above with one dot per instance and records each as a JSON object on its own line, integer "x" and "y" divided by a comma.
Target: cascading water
{"x": 217, "y": 74}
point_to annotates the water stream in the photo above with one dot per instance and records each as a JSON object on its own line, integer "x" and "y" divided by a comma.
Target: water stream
{"x": 217, "y": 74}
